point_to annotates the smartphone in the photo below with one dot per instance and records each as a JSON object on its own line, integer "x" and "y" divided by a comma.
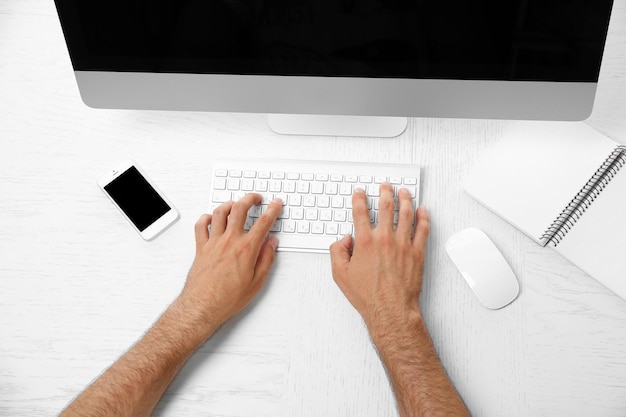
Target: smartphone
{"x": 143, "y": 205}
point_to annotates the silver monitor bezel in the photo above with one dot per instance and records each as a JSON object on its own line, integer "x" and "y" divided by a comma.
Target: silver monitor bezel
{"x": 528, "y": 100}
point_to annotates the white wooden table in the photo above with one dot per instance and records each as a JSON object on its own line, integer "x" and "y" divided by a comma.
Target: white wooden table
{"x": 78, "y": 286}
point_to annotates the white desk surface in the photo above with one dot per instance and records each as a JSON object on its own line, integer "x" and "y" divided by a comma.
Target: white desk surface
{"x": 78, "y": 286}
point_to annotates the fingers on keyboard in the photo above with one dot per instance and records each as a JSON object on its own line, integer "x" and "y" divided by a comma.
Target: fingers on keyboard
{"x": 316, "y": 207}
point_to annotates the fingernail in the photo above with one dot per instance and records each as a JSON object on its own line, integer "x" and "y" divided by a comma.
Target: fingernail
{"x": 403, "y": 190}
{"x": 273, "y": 243}
{"x": 359, "y": 190}
{"x": 278, "y": 201}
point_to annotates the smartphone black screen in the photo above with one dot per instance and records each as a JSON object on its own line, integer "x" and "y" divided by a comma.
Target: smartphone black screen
{"x": 136, "y": 197}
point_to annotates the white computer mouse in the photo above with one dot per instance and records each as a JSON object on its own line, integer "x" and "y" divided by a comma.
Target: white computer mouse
{"x": 484, "y": 268}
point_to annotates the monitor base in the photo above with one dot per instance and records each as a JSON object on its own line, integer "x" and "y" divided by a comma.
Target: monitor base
{"x": 329, "y": 125}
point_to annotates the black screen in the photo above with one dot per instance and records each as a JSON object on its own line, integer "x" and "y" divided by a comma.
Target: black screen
{"x": 525, "y": 40}
{"x": 136, "y": 197}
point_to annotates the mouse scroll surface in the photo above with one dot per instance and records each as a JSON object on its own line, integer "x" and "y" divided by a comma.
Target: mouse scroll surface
{"x": 483, "y": 267}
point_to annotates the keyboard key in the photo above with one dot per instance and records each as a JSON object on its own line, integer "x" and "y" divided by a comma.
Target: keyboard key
{"x": 345, "y": 189}
{"x": 317, "y": 228}
{"x": 303, "y": 227}
{"x": 260, "y": 186}
{"x": 275, "y": 186}
{"x": 303, "y": 187}
{"x": 295, "y": 200}
{"x": 219, "y": 183}
{"x": 248, "y": 224}
{"x": 289, "y": 186}
{"x": 255, "y": 211}
{"x": 317, "y": 187}
{"x": 233, "y": 184}
{"x": 337, "y": 202}
{"x": 331, "y": 188}
{"x": 297, "y": 213}
{"x": 308, "y": 201}
{"x": 247, "y": 184}
{"x": 310, "y": 214}
{"x": 323, "y": 201}
{"x": 340, "y": 215}
{"x": 296, "y": 242}
{"x": 220, "y": 196}
{"x": 373, "y": 190}
{"x": 289, "y": 226}
{"x": 326, "y": 215}
{"x": 276, "y": 226}
{"x": 345, "y": 229}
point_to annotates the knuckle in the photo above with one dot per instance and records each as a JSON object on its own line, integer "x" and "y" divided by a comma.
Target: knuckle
{"x": 406, "y": 213}
{"x": 387, "y": 205}
{"x": 246, "y": 245}
{"x": 360, "y": 210}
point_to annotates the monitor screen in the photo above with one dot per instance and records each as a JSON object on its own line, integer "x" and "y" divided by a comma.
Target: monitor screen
{"x": 558, "y": 41}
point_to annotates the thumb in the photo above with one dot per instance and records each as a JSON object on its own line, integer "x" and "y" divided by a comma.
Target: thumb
{"x": 340, "y": 255}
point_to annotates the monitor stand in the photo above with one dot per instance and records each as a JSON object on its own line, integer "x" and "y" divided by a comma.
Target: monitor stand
{"x": 329, "y": 125}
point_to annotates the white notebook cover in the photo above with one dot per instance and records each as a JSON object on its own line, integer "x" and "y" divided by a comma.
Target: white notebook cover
{"x": 533, "y": 173}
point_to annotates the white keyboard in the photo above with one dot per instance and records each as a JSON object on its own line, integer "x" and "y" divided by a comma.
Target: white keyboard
{"x": 316, "y": 195}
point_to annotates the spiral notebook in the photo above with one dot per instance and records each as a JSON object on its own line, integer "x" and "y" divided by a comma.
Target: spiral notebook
{"x": 562, "y": 184}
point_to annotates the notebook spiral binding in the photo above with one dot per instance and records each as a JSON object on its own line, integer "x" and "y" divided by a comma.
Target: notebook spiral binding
{"x": 585, "y": 197}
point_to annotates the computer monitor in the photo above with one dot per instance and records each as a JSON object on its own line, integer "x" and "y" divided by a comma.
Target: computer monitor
{"x": 516, "y": 59}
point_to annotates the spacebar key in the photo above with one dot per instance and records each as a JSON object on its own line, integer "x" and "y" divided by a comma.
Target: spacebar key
{"x": 304, "y": 243}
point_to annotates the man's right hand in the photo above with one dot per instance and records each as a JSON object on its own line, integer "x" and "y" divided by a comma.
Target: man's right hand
{"x": 381, "y": 275}
{"x": 381, "y": 271}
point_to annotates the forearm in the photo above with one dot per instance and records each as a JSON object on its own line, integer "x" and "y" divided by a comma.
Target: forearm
{"x": 133, "y": 385}
{"x": 420, "y": 383}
